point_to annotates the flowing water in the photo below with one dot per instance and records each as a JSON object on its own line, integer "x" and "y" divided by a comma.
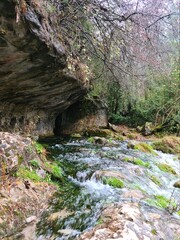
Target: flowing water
{"x": 77, "y": 205}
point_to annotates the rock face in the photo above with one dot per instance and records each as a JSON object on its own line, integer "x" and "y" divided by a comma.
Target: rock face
{"x": 36, "y": 84}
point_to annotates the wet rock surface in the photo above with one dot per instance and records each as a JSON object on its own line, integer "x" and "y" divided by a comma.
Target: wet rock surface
{"x": 133, "y": 221}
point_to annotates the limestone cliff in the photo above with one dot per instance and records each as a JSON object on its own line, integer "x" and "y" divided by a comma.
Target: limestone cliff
{"x": 35, "y": 81}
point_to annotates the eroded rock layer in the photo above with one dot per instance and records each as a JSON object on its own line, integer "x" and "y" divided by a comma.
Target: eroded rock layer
{"x": 34, "y": 77}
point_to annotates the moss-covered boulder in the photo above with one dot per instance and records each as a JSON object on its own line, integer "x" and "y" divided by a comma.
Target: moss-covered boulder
{"x": 141, "y": 146}
{"x": 112, "y": 178}
{"x": 166, "y": 168}
{"x": 169, "y": 144}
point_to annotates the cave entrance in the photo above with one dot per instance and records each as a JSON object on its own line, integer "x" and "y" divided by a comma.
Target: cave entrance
{"x": 58, "y": 125}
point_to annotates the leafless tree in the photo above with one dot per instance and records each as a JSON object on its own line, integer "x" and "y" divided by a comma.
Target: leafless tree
{"x": 128, "y": 36}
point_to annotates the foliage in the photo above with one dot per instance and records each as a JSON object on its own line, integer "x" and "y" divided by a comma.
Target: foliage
{"x": 112, "y": 181}
{"x": 158, "y": 103}
{"x": 161, "y": 104}
{"x": 166, "y": 168}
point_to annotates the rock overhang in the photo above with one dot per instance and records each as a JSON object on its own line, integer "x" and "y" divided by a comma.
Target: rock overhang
{"x": 34, "y": 72}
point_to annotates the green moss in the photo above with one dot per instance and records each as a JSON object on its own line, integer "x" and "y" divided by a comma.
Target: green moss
{"x": 114, "y": 182}
{"x": 25, "y": 173}
{"x": 168, "y": 144}
{"x": 154, "y": 232}
{"x": 20, "y": 160}
{"x": 90, "y": 140}
{"x": 166, "y": 168}
{"x": 54, "y": 170}
{"x": 144, "y": 147}
{"x": 137, "y": 161}
{"x": 178, "y": 213}
{"x": 99, "y": 221}
{"x": 163, "y": 148}
{"x": 127, "y": 159}
{"x": 138, "y": 187}
{"x": 161, "y": 202}
{"x": 76, "y": 135}
{"x": 39, "y": 147}
{"x": 34, "y": 163}
{"x": 155, "y": 180}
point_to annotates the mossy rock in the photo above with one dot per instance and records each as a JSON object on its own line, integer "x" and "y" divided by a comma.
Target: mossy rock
{"x": 99, "y": 132}
{"x": 177, "y": 184}
{"x": 76, "y": 135}
{"x": 144, "y": 147}
{"x": 161, "y": 202}
{"x": 166, "y": 168}
{"x": 54, "y": 170}
{"x": 137, "y": 161}
{"x": 170, "y": 144}
{"x": 156, "y": 180}
{"x": 114, "y": 182}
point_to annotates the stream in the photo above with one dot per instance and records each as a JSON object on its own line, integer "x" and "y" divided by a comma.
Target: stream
{"x": 77, "y": 206}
